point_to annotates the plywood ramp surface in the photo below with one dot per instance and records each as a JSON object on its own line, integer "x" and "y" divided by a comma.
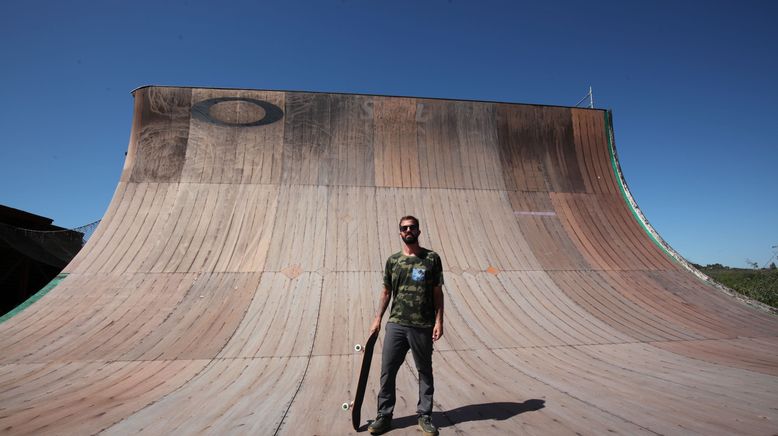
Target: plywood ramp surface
{"x": 240, "y": 260}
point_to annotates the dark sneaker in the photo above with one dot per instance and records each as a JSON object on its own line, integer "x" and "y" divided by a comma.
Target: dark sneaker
{"x": 381, "y": 424}
{"x": 426, "y": 426}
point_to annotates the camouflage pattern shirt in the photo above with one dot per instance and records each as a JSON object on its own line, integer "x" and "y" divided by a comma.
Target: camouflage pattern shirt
{"x": 411, "y": 279}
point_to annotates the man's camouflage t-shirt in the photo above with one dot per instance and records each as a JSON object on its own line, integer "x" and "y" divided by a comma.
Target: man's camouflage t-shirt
{"x": 411, "y": 280}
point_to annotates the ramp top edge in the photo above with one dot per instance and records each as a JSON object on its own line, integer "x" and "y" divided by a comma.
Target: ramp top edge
{"x": 216, "y": 88}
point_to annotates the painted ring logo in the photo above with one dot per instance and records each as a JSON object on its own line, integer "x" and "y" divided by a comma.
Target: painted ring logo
{"x": 202, "y": 111}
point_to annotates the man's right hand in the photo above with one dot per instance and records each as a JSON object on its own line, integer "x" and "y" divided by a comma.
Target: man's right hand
{"x": 375, "y": 327}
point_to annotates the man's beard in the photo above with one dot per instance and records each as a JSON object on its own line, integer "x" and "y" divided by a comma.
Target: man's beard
{"x": 410, "y": 239}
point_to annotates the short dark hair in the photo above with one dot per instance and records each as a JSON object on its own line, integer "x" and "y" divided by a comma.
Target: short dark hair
{"x": 409, "y": 218}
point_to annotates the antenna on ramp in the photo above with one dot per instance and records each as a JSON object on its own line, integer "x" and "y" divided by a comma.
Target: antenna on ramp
{"x": 587, "y": 96}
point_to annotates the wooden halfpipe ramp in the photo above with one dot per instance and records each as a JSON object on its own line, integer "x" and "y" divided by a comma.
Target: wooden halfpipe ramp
{"x": 240, "y": 259}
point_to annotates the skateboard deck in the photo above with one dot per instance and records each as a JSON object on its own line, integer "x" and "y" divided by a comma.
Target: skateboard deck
{"x": 364, "y": 371}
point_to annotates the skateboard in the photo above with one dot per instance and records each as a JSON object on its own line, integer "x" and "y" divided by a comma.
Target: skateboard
{"x": 364, "y": 371}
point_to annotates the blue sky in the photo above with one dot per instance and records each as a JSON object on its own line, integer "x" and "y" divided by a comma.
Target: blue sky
{"x": 692, "y": 86}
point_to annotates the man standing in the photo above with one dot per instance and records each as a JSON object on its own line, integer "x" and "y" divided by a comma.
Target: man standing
{"x": 413, "y": 280}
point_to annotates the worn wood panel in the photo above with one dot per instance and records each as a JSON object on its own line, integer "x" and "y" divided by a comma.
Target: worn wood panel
{"x": 604, "y": 302}
{"x": 212, "y": 145}
{"x": 264, "y": 146}
{"x": 675, "y": 368}
{"x": 606, "y": 233}
{"x": 180, "y": 228}
{"x": 484, "y": 306}
{"x": 519, "y": 309}
{"x": 237, "y": 215}
{"x": 590, "y": 215}
{"x": 395, "y": 142}
{"x": 145, "y": 197}
{"x": 640, "y": 288}
{"x": 472, "y": 230}
{"x": 58, "y": 316}
{"x": 223, "y": 221}
{"x": 556, "y": 312}
{"x": 229, "y": 396}
{"x": 615, "y": 214}
{"x": 116, "y": 322}
{"x": 587, "y": 242}
{"x": 253, "y": 231}
{"x": 119, "y": 334}
{"x": 592, "y": 149}
{"x": 330, "y": 381}
{"x": 150, "y": 318}
{"x": 351, "y": 161}
{"x": 299, "y": 230}
{"x": 501, "y": 397}
{"x": 69, "y": 404}
{"x": 114, "y": 231}
{"x": 537, "y": 149}
{"x": 226, "y": 145}
{"x": 589, "y": 168}
{"x": 328, "y": 140}
{"x": 352, "y": 235}
{"x": 281, "y": 319}
{"x": 99, "y": 234}
{"x": 307, "y": 139}
{"x": 348, "y": 307}
{"x": 457, "y": 142}
{"x": 545, "y": 234}
{"x": 203, "y": 320}
{"x": 736, "y": 319}
{"x": 658, "y": 403}
{"x": 143, "y": 229}
{"x": 522, "y": 164}
{"x": 214, "y": 217}
{"x": 752, "y": 354}
{"x": 158, "y": 147}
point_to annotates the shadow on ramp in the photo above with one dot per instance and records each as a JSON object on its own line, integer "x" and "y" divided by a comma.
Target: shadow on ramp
{"x": 499, "y": 411}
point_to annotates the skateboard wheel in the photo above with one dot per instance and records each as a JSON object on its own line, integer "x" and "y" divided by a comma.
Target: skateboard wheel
{"x": 357, "y": 348}
{"x": 345, "y": 406}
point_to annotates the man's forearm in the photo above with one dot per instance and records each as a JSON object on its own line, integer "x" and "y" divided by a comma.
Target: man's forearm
{"x": 439, "y": 304}
{"x": 383, "y": 302}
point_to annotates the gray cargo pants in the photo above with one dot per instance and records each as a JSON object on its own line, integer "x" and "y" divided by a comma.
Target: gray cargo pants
{"x": 397, "y": 341}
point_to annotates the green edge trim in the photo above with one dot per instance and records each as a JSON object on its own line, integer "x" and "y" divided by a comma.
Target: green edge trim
{"x": 622, "y": 188}
{"x": 663, "y": 245}
{"x": 37, "y": 296}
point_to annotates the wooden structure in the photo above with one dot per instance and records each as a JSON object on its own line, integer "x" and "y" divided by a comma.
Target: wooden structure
{"x": 240, "y": 259}
{"x": 32, "y": 252}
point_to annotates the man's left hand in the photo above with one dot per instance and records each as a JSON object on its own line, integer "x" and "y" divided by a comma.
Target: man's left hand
{"x": 437, "y": 331}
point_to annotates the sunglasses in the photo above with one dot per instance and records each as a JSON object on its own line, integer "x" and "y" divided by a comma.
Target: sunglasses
{"x": 411, "y": 227}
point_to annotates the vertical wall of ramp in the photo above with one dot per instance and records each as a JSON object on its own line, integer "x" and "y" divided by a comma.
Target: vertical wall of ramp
{"x": 240, "y": 257}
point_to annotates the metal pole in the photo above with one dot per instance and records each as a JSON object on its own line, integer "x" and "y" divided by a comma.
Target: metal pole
{"x": 591, "y": 98}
